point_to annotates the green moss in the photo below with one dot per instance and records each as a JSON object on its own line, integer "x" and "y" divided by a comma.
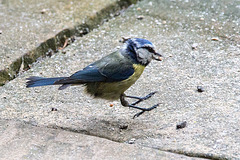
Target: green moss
{"x": 4, "y": 76}
{"x": 59, "y": 39}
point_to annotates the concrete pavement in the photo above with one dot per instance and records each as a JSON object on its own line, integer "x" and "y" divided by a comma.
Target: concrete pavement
{"x": 20, "y": 140}
{"x": 200, "y": 42}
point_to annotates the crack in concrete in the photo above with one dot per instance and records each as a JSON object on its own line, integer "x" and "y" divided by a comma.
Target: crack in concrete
{"x": 195, "y": 155}
{"x": 82, "y": 131}
{"x": 180, "y": 152}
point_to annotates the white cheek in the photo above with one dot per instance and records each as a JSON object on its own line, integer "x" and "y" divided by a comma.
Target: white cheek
{"x": 144, "y": 56}
{"x": 141, "y": 55}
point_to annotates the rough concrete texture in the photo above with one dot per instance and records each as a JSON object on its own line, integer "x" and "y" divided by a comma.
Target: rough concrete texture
{"x": 30, "y": 29}
{"x": 200, "y": 42}
{"x": 23, "y": 141}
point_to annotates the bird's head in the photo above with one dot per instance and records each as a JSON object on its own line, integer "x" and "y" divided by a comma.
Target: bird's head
{"x": 141, "y": 50}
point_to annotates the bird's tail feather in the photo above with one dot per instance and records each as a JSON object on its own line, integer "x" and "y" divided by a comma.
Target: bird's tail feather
{"x": 40, "y": 81}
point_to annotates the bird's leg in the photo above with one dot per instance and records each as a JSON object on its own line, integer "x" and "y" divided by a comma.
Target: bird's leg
{"x": 140, "y": 99}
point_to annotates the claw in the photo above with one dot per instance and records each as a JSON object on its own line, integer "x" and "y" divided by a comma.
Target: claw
{"x": 138, "y": 114}
{"x": 145, "y": 109}
{"x": 149, "y": 95}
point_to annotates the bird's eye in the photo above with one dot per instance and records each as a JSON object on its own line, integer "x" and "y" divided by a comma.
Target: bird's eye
{"x": 150, "y": 49}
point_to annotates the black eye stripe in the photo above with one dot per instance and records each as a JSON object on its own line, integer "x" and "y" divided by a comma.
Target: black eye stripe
{"x": 150, "y": 49}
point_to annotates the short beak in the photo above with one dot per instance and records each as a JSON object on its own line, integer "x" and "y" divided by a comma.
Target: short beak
{"x": 159, "y": 56}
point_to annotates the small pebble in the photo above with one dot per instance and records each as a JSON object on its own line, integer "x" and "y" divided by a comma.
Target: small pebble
{"x": 194, "y": 46}
{"x": 181, "y": 125}
{"x": 164, "y": 22}
{"x": 73, "y": 38}
{"x": 43, "y": 11}
{"x": 54, "y": 109}
{"x": 132, "y": 141}
{"x": 139, "y": 9}
{"x": 213, "y": 20}
{"x": 140, "y": 17}
{"x": 117, "y": 14}
{"x": 202, "y": 19}
{"x": 118, "y": 47}
{"x": 200, "y": 89}
{"x": 124, "y": 126}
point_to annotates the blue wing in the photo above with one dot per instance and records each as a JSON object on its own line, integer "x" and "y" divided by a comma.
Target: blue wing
{"x": 111, "y": 68}
{"x": 88, "y": 74}
{"x": 117, "y": 72}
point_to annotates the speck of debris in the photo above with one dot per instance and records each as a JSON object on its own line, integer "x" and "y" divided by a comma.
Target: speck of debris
{"x": 111, "y": 105}
{"x": 140, "y": 17}
{"x": 124, "y": 39}
{"x": 200, "y": 89}
{"x": 215, "y": 39}
{"x": 54, "y": 109}
{"x": 164, "y": 22}
{"x": 132, "y": 141}
{"x": 73, "y": 38}
{"x": 0, "y": 31}
{"x": 123, "y": 127}
{"x": 43, "y": 11}
{"x": 117, "y": 14}
{"x": 49, "y": 53}
{"x": 181, "y": 125}
{"x": 213, "y": 20}
{"x": 194, "y": 46}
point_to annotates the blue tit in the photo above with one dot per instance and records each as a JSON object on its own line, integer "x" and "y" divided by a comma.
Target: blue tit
{"x": 111, "y": 76}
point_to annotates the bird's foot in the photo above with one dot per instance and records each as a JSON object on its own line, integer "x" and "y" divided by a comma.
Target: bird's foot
{"x": 143, "y": 109}
{"x": 140, "y": 99}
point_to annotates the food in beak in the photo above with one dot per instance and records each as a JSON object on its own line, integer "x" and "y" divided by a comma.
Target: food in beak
{"x": 158, "y": 56}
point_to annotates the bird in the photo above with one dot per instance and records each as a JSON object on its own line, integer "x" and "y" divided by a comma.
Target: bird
{"x": 109, "y": 77}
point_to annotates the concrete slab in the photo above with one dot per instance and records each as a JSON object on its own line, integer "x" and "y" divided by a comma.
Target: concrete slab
{"x": 23, "y": 141}
{"x": 200, "y": 42}
{"x": 31, "y": 29}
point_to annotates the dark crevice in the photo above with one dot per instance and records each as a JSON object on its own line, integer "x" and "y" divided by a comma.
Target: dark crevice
{"x": 197, "y": 155}
{"x": 85, "y": 132}
{"x": 58, "y": 41}
{"x": 180, "y": 152}
{"x": 82, "y": 131}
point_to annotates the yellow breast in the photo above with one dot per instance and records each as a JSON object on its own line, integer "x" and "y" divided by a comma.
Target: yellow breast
{"x": 138, "y": 70}
{"x": 113, "y": 90}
